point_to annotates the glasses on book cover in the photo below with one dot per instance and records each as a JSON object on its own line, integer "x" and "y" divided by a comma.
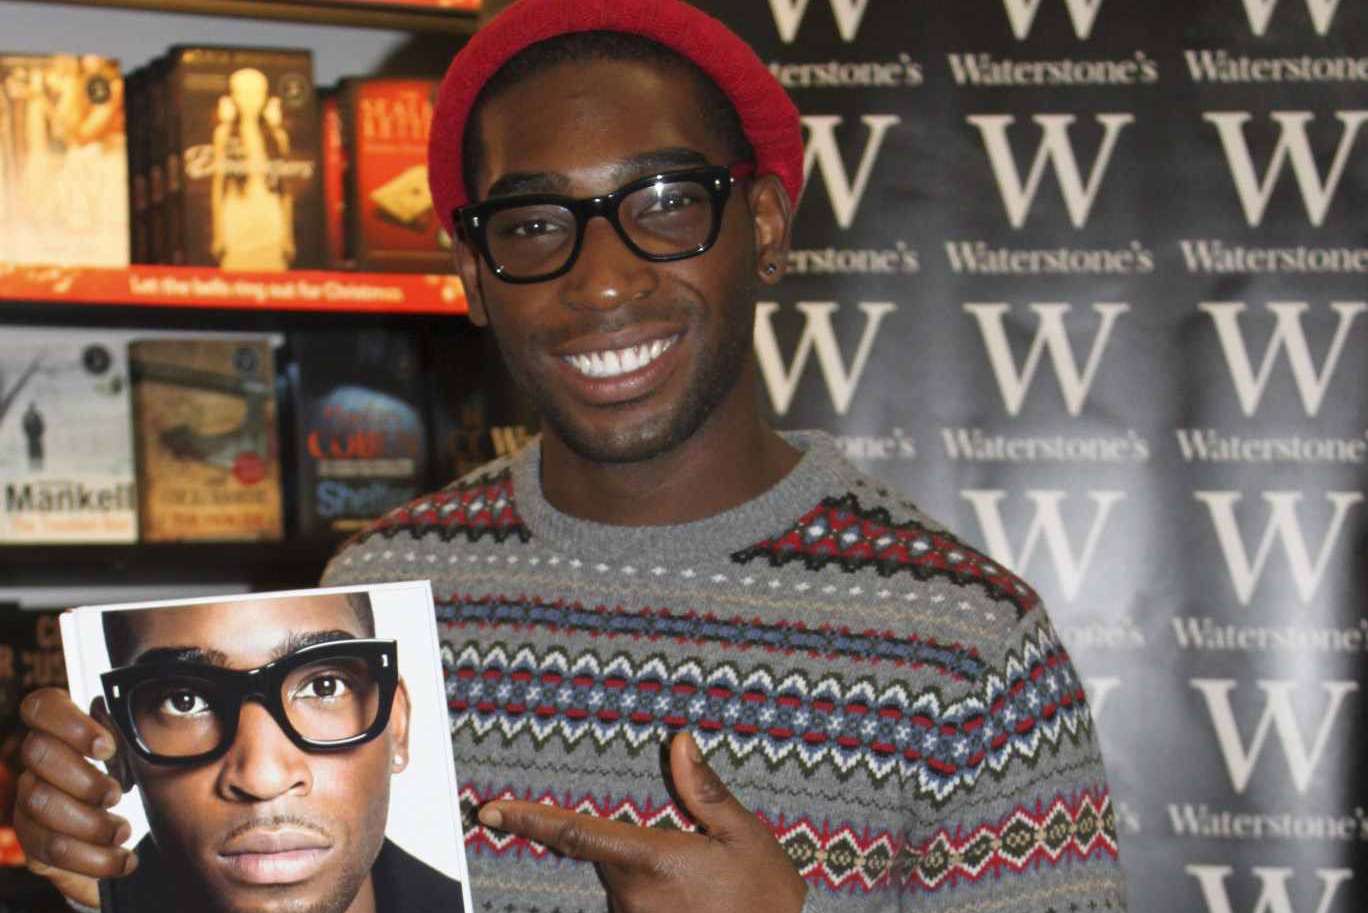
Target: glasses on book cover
{"x": 663, "y": 217}
{"x": 324, "y": 697}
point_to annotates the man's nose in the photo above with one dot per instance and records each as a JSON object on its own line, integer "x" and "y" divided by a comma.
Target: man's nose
{"x": 262, "y": 762}
{"x": 607, "y": 274}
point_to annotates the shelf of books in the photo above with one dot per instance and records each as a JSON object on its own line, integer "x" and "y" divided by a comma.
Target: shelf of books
{"x": 205, "y": 287}
{"x": 454, "y": 16}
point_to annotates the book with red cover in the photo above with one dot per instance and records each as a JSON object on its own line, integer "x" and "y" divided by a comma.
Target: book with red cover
{"x": 334, "y": 179}
{"x": 392, "y": 226}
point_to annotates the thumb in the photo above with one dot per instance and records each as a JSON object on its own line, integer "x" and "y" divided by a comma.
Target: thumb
{"x": 706, "y": 797}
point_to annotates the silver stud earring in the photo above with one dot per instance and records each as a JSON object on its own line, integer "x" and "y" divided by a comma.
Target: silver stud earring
{"x": 771, "y": 269}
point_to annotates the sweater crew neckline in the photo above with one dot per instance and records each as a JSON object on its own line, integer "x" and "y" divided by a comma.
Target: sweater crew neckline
{"x": 817, "y": 475}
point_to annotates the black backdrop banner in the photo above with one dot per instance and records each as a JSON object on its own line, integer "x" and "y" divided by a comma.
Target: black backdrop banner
{"x": 1087, "y": 278}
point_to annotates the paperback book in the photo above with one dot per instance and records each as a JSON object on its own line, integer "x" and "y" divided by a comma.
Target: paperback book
{"x": 361, "y": 441}
{"x": 63, "y": 161}
{"x": 66, "y": 448}
{"x": 244, "y": 187}
{"x": 340, "y": 688}
{"x": 205, "y": 432}
{"x": 392, "y": 226}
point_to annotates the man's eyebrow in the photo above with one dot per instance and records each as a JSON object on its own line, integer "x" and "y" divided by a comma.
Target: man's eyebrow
{"x": 519, "y": 183}
{"x": 181, "y": 655}
{"x": 298, "y": 640}
{"x": 622, "y": 171}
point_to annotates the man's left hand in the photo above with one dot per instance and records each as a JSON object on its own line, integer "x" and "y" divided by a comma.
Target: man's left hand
{"x": 732, "y": 864}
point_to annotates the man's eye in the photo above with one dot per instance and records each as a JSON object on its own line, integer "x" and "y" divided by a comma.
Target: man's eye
{"x": 531, "y": 228}
{"x": 183, "y": 703}
{"x": 323, "y": 687}
{"x": 671, "y": 201}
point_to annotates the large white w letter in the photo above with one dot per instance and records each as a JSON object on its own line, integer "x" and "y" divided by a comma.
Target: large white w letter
{"x": 1055, "y": 148}
{"x": 788, "y": 17}
{"x": 1292, "y": 144}
{"x": 1050, "y": 336}
{"x": 1288, "y": 335}
{"x": 1261, "y": 11}
{"x": 1022, "y": 14}
{"x": 1273, "y": 896}
{"x": 823, "y": 152}
{"x": 1279, "y": 716}
{"x": 1283, "y": 526}
{"x": 819, "y": 335}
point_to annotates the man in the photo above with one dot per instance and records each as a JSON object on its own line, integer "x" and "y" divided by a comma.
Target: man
{"x": 262, "y": 737}
{"x": 894, "y": 710}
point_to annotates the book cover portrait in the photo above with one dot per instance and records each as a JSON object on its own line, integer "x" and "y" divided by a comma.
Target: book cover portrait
{"x": 291, "y": 747}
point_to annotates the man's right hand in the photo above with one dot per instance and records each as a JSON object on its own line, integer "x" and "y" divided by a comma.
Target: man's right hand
{"x": 61, "y": 810}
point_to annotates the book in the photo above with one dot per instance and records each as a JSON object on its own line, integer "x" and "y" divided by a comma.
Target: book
{"x": 206, "y": 439}
{"x": 361, "y": 440}
{"x": 63, "y": 161}
{"x": 478, "y": 412}
{"x": 244, "y": 182}
{"x": 391, "y": 223}
{"x": 240, "y": 687}
{"x": 334, "y": 180}
{"x": 30, "y": 658}
{"x": 135, "y": 101}
{"x": 66, "y": 449}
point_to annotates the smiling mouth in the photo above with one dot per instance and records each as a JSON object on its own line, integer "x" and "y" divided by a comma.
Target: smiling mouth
{"x": 617, "y": 362}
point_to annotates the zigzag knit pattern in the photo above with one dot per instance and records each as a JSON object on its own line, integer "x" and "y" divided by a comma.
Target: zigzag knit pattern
{"x": 839, "y": 531}
{"x": 922, "y": 739}
{"x": 850, "y": 859}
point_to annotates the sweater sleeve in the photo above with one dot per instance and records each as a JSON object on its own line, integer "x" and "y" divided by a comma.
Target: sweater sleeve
{"x": 1029, "y": 824}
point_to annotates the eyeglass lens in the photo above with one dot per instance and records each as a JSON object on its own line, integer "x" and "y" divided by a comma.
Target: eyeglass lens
{"x": 666, "y": 218}
{"x": 325, "y": 701}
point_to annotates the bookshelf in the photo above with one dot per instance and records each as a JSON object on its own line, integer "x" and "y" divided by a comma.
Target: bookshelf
{"x": 456, "y": 17}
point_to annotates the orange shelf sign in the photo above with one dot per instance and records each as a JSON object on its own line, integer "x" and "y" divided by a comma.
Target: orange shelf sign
{"x": 196, "y": 287}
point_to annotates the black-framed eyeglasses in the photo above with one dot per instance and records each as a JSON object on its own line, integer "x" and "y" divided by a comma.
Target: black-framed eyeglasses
{"x": 325, "y": 697}
{"x": 536, "y": 237}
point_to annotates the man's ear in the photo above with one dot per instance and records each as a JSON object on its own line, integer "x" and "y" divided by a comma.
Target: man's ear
{"x": 117, "y": 766}
{"x": 399, "y": 728}
{"x": 772, "y": 217}
{"x": 468, "y": 267}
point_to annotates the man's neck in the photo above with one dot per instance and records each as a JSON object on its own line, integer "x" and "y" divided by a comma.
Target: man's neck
{"x": 733, "y": 457}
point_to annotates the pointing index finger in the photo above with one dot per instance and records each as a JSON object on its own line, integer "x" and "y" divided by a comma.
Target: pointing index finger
{"x": 577, "y": 836}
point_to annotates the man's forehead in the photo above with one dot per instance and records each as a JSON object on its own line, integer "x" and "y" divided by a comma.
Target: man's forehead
{"x": 598, "y": 125}
{"x": 248, "y": 627}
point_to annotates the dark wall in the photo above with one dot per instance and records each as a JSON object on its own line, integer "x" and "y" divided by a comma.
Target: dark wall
{"x": 1087, "y": 278}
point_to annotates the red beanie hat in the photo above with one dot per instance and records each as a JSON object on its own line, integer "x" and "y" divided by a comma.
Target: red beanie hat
{"x": 768, "y": 115}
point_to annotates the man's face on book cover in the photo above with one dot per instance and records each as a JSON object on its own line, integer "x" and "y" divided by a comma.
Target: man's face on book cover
{"x": 268, "y": 827}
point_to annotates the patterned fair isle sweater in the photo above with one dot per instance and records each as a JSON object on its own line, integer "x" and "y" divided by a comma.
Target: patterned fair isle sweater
{"x": 894, "y": 705}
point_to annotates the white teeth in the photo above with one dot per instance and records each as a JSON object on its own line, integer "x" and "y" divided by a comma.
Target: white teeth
{"x": 620, "y": 361}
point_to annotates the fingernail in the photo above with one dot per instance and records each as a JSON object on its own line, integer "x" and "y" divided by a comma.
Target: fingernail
{"x": 103, "y": 747}
{"x": 491, "y": 817}
{"x": 112, "y": 797}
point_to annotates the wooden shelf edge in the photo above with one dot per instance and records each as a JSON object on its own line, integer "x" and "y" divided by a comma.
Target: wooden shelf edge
{"x": 378, "y": 14}
{"x": 197, "y": 287}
